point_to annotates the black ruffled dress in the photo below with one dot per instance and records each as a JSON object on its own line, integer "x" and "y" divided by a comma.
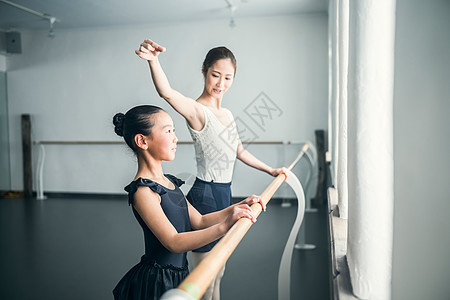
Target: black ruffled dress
{"x": 159, "y": 269}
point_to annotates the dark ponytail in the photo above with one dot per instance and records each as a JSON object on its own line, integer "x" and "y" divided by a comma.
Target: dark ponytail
{"x": 136, "y": 121}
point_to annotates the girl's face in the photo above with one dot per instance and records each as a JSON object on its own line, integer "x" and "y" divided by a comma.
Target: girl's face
{"x": 219, "y": 78}
{"x": 163, "y": 141}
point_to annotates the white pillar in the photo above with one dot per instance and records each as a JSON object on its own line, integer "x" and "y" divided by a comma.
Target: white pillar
{"x": 370, "y": 147}
{"x": 341, "y": 175}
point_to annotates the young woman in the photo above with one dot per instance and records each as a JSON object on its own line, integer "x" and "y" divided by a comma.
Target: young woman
{"x": 214, "y": 132}
{"x": 171, "y": 225}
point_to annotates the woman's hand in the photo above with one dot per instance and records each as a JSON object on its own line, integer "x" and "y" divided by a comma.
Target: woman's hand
{"x": 253, "y": 199}
{"x": 276, "y": 172}
{"x": 239, "y": 211}
{"x": 149, "y": 50}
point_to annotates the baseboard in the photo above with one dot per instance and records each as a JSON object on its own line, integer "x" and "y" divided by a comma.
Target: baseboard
{"x": 11, "y": 194}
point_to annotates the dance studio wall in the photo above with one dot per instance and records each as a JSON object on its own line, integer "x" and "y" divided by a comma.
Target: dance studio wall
{"x": 2, "y": 63}
{"x": 421, "y": 148}
{"x": 73, "y": 84}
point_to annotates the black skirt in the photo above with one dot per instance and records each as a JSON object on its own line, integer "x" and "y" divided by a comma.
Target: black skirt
{"x": 208, "y": 197}
{"x": 148, "y": 280}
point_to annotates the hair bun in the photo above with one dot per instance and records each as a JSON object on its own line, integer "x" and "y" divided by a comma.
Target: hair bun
{"x": 118, "y": 121}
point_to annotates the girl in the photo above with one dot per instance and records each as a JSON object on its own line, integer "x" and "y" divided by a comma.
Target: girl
{"x": 171, "y": 225}
{"x": 213, "y": 130}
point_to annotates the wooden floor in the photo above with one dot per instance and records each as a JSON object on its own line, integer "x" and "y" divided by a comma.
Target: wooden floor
{"x": 78, "y": 248}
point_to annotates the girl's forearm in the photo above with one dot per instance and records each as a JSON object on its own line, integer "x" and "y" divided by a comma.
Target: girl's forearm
{"x": 187, "y": 241}
{"x": 214, "y": 218}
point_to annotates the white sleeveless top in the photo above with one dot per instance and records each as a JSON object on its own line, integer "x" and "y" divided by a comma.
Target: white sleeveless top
{"x": 215, "y": 148}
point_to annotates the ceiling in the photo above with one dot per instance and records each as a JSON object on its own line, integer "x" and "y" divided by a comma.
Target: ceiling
{"x": 100, "y": 13}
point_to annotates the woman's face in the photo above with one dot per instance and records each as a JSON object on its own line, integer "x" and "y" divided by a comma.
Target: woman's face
{"x": 163, "y": 141}
{"x": 219, "y": 78}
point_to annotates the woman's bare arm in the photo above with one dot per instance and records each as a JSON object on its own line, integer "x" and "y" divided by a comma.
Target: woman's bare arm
{"x": 185, "y": 106}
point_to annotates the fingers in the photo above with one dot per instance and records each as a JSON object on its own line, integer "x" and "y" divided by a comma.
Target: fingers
{"x": 279, "y": 171}
{"x": 149, "y": 45}
{"x": 255, "y": 199}
{"x": 244, "y": 211}
{"x": 149, "y": 50}
{"x": 140, "y": 54}
{"x": 263, "y": 205}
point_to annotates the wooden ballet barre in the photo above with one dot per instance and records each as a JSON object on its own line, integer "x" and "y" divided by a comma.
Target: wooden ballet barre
{"x": 88, "y": 142}
{"x": 79, "y": 143}
{"x": 196, "y": 283}
{"x": 179, "y": 142}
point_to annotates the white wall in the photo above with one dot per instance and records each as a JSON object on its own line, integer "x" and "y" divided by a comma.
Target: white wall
{"x": 2, "y": 63}
{"x": 74, "y": 84}
{"x": 421, "y": 263}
